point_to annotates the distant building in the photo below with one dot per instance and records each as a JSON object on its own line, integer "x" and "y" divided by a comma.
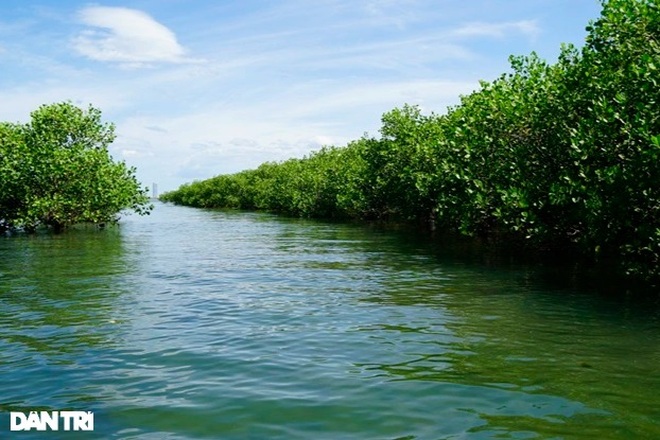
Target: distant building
{"x": 154, "y": 190}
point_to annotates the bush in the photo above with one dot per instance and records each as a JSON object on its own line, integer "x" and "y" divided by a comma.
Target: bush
{"x": 563, "y": 156}
{"x": 56, "y": 171}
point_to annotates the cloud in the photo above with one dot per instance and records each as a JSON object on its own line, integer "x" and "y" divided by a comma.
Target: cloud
{"x": 129, "y": 153}
{"x": 329, "y": 101}
{"x": 529, "y": 28}
{"x": 391, "y": 12}
{"x": 273, "y": 125}
{"x": 126, "y": 36}
{"x": 29, "y": 97}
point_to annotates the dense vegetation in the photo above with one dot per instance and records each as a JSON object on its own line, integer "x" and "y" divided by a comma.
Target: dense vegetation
{"x": 56, "y": 171}
{"x": 562, "y": 155}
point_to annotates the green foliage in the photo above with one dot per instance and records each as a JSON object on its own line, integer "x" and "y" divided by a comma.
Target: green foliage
{"x": 563, "y": 155}
{"x": 56, "y": 171}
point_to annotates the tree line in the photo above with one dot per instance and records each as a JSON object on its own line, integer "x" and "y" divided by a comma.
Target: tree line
{"x": 56, "y": 171}
{"x": 562, "y": 155}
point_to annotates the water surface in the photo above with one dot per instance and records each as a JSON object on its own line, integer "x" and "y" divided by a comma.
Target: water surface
{"x": 193, "y": 324}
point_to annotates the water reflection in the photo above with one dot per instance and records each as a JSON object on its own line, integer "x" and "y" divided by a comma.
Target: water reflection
{"x": 58, "y": 295}
{"x": 509, "y": 336}
{"x": 217, "y": 324}
{"x": 496, "y": 331}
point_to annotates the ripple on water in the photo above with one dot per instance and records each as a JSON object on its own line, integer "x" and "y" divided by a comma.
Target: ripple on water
{"x": 203, "y": 324}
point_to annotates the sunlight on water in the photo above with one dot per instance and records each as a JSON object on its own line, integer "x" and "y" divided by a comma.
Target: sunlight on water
{"x": 202, "y": 324}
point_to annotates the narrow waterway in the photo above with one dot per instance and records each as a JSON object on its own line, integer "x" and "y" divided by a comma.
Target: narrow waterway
{"x": 193, "y": 324}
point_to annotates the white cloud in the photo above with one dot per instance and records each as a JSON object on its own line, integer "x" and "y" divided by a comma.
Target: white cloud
{"x": 395, "y": 12}
{"x": 529, "y": 28}
{"x": 240, "y": 134}
{"x": 129, "y": 153}
{"x": 329, "y": 101}
{"x": 126, "y": 36}
{"x": 28, "y": 98}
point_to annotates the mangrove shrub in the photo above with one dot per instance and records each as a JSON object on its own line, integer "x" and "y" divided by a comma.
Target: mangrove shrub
{"x": 56, "y": 171}
{"x": 553, "y": 156}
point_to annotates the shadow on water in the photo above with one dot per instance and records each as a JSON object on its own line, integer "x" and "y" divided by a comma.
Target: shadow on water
{"x": 524, "y": 328}
{"x": 58, "y": 294}
{"x": 499, "y": 327}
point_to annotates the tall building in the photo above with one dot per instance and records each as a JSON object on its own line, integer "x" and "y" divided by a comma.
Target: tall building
{"x": 154, "y": 190}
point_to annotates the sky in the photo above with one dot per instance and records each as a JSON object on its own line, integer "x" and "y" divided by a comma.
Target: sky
{"x": 198, "y": 88}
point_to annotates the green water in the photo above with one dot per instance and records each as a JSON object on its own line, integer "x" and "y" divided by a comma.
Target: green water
{"x": 193, "y": 324}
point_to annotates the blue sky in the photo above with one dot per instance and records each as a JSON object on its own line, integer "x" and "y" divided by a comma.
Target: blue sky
{"x": 199, "y": 88}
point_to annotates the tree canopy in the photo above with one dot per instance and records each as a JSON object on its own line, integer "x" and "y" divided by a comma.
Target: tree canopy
{"x": 56, "y": 171}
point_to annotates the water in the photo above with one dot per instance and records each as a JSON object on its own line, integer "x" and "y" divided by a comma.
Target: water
{"x": 193, "y": 324}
